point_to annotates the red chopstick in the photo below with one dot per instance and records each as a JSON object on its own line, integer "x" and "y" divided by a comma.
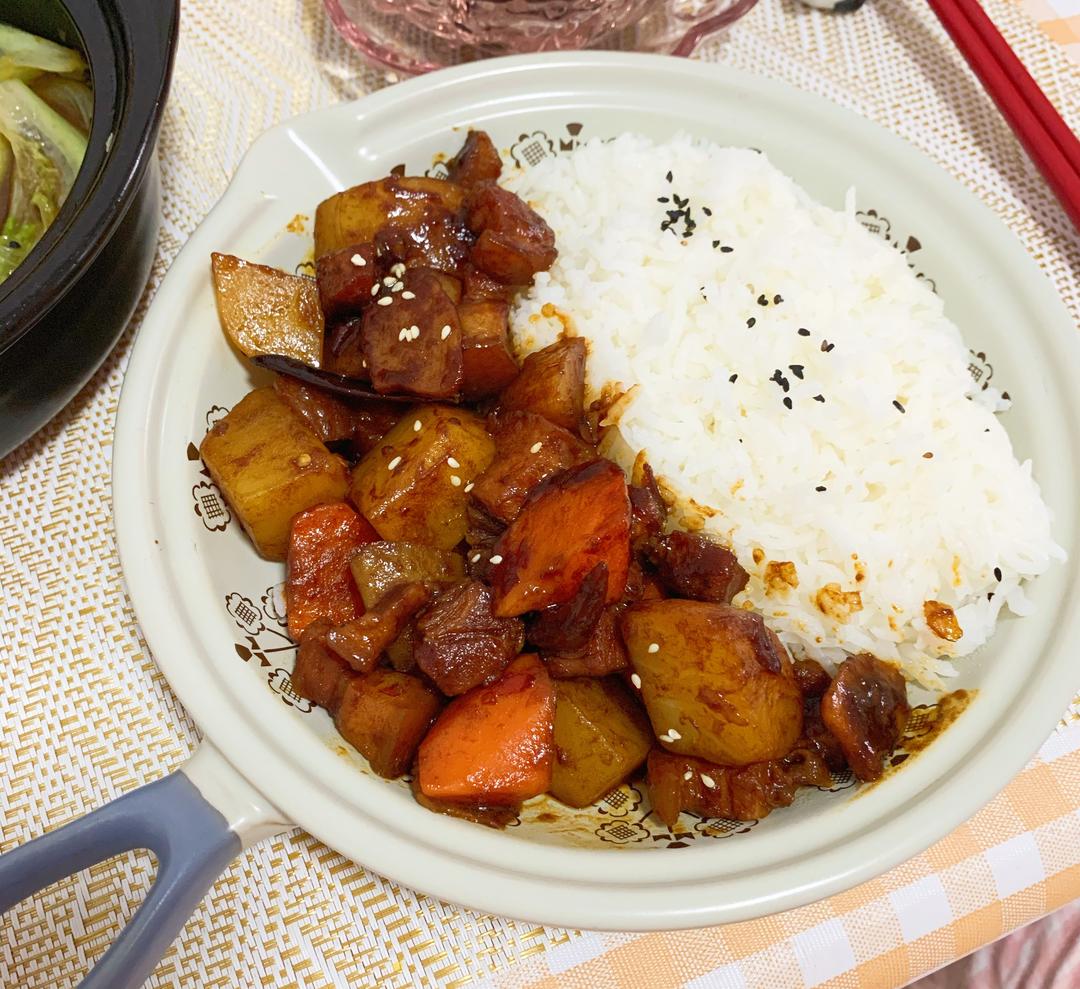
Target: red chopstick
{"x": 1053, "y": 148}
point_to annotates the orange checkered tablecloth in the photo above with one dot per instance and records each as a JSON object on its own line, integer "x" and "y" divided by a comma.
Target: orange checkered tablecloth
{"x": 85, "y": 715}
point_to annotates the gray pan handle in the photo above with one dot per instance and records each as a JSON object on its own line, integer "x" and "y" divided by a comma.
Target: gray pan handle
{"x": 196, "y": 821}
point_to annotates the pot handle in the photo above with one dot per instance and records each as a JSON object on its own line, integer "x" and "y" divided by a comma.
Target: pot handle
{"x": 195, "y": 820}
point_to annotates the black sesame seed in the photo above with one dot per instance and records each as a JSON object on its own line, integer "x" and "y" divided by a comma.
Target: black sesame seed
{"x": 726, "y": 250}
{"x": 899, "y": 407}
{"x": 997, "y": 573}
{"x": 820, "y": 487}
{"x": 797, "y": 370}
{"x": 826, "y": 347}
{"x": 762, "y": 301}
{"x": 663, "y": 199}
{"x": 819, "y": 398}
{"x": 779, "y": 378}
{"x": 715, "y": 244}
{"x": 777, "y": 299}
{"x": 1005, "y": 395}
{"x": 787, "y": 402}
{"x": 14, "y": 245}
{"x": 668, "y": 176}
{"x": 990, "y": 596}
{"x": 732, "y": 380}
{"x": 751, "y": 321}
{"x": 706, "y": 210}
{"x": 803, "y": 331}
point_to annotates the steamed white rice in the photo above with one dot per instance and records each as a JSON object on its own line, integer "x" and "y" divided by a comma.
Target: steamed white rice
{"x": 896, "y": 486}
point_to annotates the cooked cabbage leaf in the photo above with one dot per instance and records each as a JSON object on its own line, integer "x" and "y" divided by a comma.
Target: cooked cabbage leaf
{"x": 46, "y": 154}
{"x": 24, "y": 55}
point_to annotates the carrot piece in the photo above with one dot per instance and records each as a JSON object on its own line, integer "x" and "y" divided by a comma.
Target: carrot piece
{"x": 319, "y": 583}
{"x": 569, "y": 524}
{"x": 494, "y": 744}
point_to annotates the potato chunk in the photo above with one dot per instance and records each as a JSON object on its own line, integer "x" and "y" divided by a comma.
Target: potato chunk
{"x": 716, "y": 681}
{"x": 601, "y": 737}
{"x": 493, "y": 745}
{"x": 270, "y": 466}
{"x": 384, "y": 715}
{"x": 318, "y": 582}
{"x": 358, "y": 214}
{"x": 551, "y": 384}
{"x": 380, "y": 567}
{"x": 411, "y": 486}
{"x": 413, "y": 345}
{"x": 568, "y": 525}
{"x": 267, "y": 311}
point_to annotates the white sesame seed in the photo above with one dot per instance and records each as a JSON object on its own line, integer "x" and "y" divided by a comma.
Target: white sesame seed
{"x": 455, "y": 480}
{"x": 358, "y": 260}
{"x": 384, "y": 301}
{"x": 654, "y": 647}
{"x": 496, "y": 560}
{"x": 403, "y": 334}
{"x": 408, "y": 295}
{"x": 468, "y": 487}
{"x": 388, "y": 281}
{"x": 397, "y": 270}
{"x": 452, "y": 461}
{"x": 475, "y": 558}
{"x": 535, "y": 448}
{"x": 688, "y": 775}
{"x": 673, "y": 734}
{"x": 393, "y": 463}
{"x": 445, "y": 332}
{"x": 416, "y": 426}
{"x": 397, "y": 286}
{"x": 708, "y": 781}
{"x": 375, "y": 289}
{"x": 665, "y": 738}
{"x": 635, "y": 680}
{"x": 415, "y": 331}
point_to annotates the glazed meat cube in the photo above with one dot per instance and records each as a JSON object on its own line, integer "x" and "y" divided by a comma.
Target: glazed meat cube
{"x": 363, "y": 422}
{"x": 811, "y": 677}
{"x": 716, "y": 681}
{"x": 318, "y": 582}
{"x": 551, "y": 384}
{"x": 477, "y": 161}
{"x": 487, "y": 363}
{"x": 460, "y": 643}
{"x": 601, "y": 737}
{"x": 441, "y": 242}
{"x": 413, "y": 345}
{"x": 569, "y": 524}
{"x": 270, "y": 466}
{"x": 411, "y": 486}
{"x": 265, "y": 310}
{"x": 513, "y": 241}
{"x": 866, "y": 709}
{"x": 493, "y": 745}
{"x": 648, "y": 510}
{"x": 693, "y": 566}
{"x": 358, "y": 214}
{"x": 677, "y": 783}
{"x": 479, "y": 286}
{"x": 345, "y": 278}
{"x": 384, "y": 715}
{"x": 363, "y": 640}
{"x": 343, "y": 351}
{"x": 528, "y": 449}
{"x": 320, "y": 674}
{"x": 570, "y": 625}
{"x": 602, "y": 653}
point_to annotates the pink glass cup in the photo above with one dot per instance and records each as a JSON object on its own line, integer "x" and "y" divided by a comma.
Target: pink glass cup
{"x": 413, "y": 36}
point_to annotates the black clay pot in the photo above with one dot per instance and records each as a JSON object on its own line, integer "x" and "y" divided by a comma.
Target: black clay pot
{"x": 63, "y": 308}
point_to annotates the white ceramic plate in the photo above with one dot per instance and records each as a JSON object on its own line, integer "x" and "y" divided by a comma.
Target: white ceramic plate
{"x": 207, "y": 602}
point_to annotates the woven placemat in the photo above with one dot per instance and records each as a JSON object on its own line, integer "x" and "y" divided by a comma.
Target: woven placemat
{"x": 85, "y": 715}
